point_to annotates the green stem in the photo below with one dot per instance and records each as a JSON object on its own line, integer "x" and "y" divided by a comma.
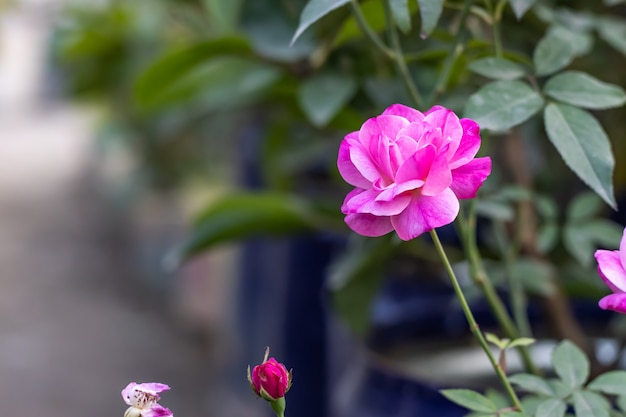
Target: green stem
{"x": 368, "y": 31}
{"x": 518, "y": 297}
{"x": 495, "y": 27}
{"x": 472, "y": 322}
{"x": 467, "y": 226}
{"x": 399, "y": 58}
{"x": 456, "y": 49}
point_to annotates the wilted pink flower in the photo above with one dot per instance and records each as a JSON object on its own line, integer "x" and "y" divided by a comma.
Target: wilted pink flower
{"x": 270, "y": 380}
{"x": 142, "y": 399}
{"x": 410, "y": 169}
{"x": 612, "y": 269}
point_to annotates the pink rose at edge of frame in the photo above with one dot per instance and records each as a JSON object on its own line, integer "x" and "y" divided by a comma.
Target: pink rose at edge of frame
{"x": 409, "y": 170}
{"x": 272, "y": 378}
{"x": 612, "y": 270}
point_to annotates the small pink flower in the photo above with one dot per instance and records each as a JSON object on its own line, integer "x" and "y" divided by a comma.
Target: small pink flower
{"x": 612, "y": 269}
{"x": 410, "y": 169}
{"x": 142, "y": 399}
{"x": 270, "y": 380}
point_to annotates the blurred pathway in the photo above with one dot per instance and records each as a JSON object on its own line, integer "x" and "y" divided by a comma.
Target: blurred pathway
{"x": 71, "y": 336}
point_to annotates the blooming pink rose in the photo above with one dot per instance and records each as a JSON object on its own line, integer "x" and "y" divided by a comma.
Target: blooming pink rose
{"x": 612, "y": 269}
{"x": 410, "y": 169}
{"x": 142, "y": 399}
{"x": 270, "y": 380}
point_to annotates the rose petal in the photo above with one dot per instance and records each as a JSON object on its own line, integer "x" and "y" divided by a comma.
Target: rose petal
{"x": 451, "y": 129}
{"x": 348, "y": 170}
{"x": 467, "y": 179}
{"x": 425, "y": 213}
{"x": 611, "y": 270}
{"x": 439, "y": 177}
{"x": 418, "y": 166}
{"x": 408, "y": 113}
{"x": 622, "y": 250}
{"x": 369, "y": 225}
{"x": 157, "y": 410}
{"x": 391, "y": 192}
{"x": 152, "y": 387}
{"x": 614, "y": 302}
{"x": 470, "y": 143}
{"x": 365, "y": 202}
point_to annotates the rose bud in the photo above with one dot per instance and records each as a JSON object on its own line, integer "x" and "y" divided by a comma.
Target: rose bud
{"x": 270, "y": 380}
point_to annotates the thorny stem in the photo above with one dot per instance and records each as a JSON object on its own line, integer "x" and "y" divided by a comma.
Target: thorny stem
{"x": 475, "y": 329}
{"x": 467, "y": 226}
{"x": 369, "y": 32}
{"x": 399, "y": 57}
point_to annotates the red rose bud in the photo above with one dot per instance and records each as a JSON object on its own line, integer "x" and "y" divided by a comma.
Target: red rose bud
{"x": 270, "y": 380}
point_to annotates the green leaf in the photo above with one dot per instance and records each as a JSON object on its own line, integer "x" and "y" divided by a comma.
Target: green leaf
{"x": 612, "y": 382}
{"x": 613, "y": 31}
{"x": 580, "y": 89}
{"x": 430, "y": 11}
{"x": 174, "y": 65}
{"x": 355, "y": 277}
{"x": 224, "y": 14}
{"x": 589, "y": 404}
{"x": 324, "y": 95}
{"x": 240, "y": 216}
{"x": 583, "y": 207}
{"x": 532, "y": 383}
{"x": 500, "y": 105}
{"x": 584, "y": 147}
{"x": 497, "y": 68}
{"x": 521, "y": 341}
{"x": 494, "y": 209}
{"x": 570, "y": 364}
{"x": 547, "y": 237}
{"x": 613, "y": 2}
{"x": 535, "y": 275}
{"x": 621, "y": 402}
{"x": 314, "y": 11}
{"x": 495, "y": 340}
{"x": 520, "y": 7}
{"x": 471, "y": 400}
{"x": 582, "y": 239}
{"x": 401, "y": 14}
{"x": 552, "y": 407}
{"x": 554, "y": 51}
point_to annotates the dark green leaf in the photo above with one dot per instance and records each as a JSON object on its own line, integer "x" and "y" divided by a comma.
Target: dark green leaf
{"x": 355, "y": 277}
{"x": 240, "y": 216}
{"x": 547, "y": 237}
{"x": 471, "y": 400}
{"x": 554, "y": 51}
{"x": 570, "y": 364}
{"x": 580, "y": 89}
{"x": 174, "y": 65}
{"x": 532, "y": 383}
{"x": 322, "y": 96}
{"x": 314, "y": 11}
{"x": 583, "y": 207}
{"x": 613, "y": 31}
{"x": 501, "y": 105}
{"x": 584, "y": 147}
{"x": 621, "y": 402}
{"x": 497, "y": 68}
{"x": 552, "y": 407}
{"x": 613, "y": 2}
{"x": 494, "y": 209}
{"x": 581, "y": 239}
{"x": 401, "y": 14}
{"x": 520, "y": 7}
{"x": 589, "y": 404}
{"x": 430, "y": 11}
{"x": 535, "y": 275}
{"x": 612, "y": 382}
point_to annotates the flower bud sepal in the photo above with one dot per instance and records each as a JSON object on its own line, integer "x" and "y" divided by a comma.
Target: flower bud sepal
{"x": 278, "y": 405}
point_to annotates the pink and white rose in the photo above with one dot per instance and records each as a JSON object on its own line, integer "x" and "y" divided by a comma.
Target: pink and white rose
{"x": 143, "y": 400}
{"x": 410, "y": 169}
{"x": 612, "y": 270}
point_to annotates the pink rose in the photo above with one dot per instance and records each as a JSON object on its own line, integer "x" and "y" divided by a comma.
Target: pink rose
{"x": 142, "y": 399}
{"x": 612, "y": 269}
{"x": 270, "y": 380}
{"x": 410, "y": 169}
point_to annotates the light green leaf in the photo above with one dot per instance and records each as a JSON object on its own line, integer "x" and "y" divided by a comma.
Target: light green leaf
{"x": 613, "y": 31}
{"x": 494, "y": 209}
{"x": 471, "y": 400}
{"x": 324, "y": 95}
{"x": 224, "y": 14}
{"x": 612, "y": 382}
{"x": 584, "y": 147}
{"x": 532, "y": 383}
{"x": 240, "y": 216}
{"x": 570, "y": 364}
{"x": 553, "y": 407}
{"x": 547, "y": 237}
{"x": 521, "y": 341}
{"x": 314, "y": 11}
{"x": 584, "y": 206}
{"x": 554, "y": 51}
{"x": 580, "y": 89}
{"x": 497, "y": 68}
{"x": 581, "y": 239}
{"x": 495, "y": 340}
{"x": 621, "y": 402}
{"x": 501, "y": 105}
{"x": 535, "y": 275}
{"x": 430, "y": 11}
{"x": 520, "y": 7}
{"x": 401, "y": 14}
{"x": 589, "y": 404}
